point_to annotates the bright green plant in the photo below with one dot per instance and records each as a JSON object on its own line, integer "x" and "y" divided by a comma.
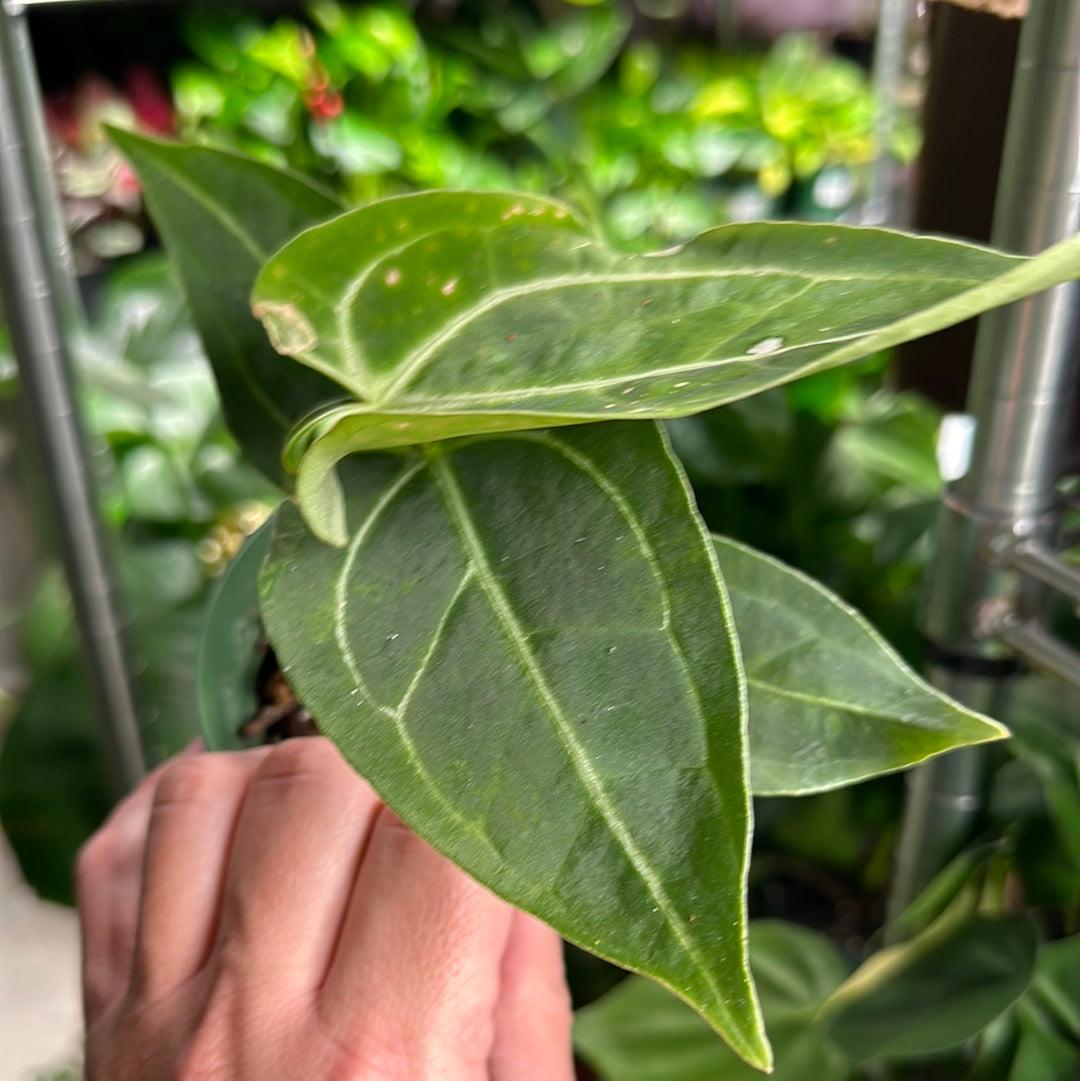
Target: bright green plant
{"x": 492, "y": 587}
{"x": 660, "y": 142}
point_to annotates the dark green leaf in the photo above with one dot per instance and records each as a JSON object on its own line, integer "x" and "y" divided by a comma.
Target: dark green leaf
{"x": 995, "y": 1049}
{"x": 935, "y": 991}
{"x": 1043, "y": 1053}
{"x": 54, "y": 784}
{"x": 229, "y": 648}
{"x": 221, "y": 216}
{"x": 444, "y": 314}
{"x": 831, "y": 703}
{"x": 959, "y": 876}
{"x": 1057, "y": 983}
{"x": 527, "y": 649}
{"x": 640, "y": 1032}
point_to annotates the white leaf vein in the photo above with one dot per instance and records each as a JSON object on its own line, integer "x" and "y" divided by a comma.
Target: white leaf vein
{"x": 419, "y": 358}
{"x": 576, "y": 752}
{"x": 396, "y": 715}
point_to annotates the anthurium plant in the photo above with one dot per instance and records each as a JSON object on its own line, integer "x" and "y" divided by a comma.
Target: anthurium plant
{"x": 489, "y": 582}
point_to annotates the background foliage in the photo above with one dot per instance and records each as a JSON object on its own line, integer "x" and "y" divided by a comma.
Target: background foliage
{"x": 659, "y": 142}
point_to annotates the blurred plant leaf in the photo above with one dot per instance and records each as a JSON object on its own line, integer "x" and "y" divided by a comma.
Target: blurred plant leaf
{"x": 935, "y": 991}
{"x": 1056, "y": 985}
{"x": 229, "y": 655}
{"x": 1043, "y": 1053}
{"x": 640, "y": 1032}
{"x": 221, "y": 216}
{"x": 1048, "y": 740}
{"x": 943, "y": 890}
{"x": 889, "y": 440}
{"x": 55, "y": 788}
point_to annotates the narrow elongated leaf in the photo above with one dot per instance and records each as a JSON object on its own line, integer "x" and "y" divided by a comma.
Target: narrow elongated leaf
{"x": 831, "y": 703}
{"x": 640, "y": 1032}
{"x": 456, "y": 308}
{"x": 527, "y": 649}
{"x": 221, "y": 216}
{"x": 935, "y": 991}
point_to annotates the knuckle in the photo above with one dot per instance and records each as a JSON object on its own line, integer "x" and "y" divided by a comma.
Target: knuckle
{"x": 96, "y": 857}
{"x": 190, "y": 781}
{"x": 309, "y": 760}
{"x": 183, "y": 783}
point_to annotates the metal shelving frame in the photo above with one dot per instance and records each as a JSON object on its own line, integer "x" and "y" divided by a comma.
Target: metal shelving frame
{"x": 40, "y": 303}
{"x": 995, "y": 562}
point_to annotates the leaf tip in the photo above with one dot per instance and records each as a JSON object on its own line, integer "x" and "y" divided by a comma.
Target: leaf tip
{"x": 744, "y": 1031}
{"x": 758, "y": 1051}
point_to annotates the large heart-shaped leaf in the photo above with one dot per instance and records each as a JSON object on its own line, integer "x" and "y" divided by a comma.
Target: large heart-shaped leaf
{"x": 526, "y": 648}
{"x": 831, "y": 703}
{"x": 639, "y": 1032}
{"x": 221, "y": 216}
{"x": 449, "y": 313}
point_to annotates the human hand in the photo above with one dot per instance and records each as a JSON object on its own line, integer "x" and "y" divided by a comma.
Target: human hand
{"x": 262, "y": 915}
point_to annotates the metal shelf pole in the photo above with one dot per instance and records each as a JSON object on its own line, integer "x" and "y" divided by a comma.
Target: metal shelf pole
{"x": 982, "y": 601}
{"x": 34, "y": 299}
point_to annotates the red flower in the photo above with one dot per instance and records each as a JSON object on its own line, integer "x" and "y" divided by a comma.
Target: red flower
{"x": 149, "y": 100}
{"x": 324, "y": 104}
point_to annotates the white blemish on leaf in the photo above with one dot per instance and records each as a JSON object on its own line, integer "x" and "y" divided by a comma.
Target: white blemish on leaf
{"x": 289, "y": 331}
{"x": 448, "y": 287}
{"x": 393, "y": 276}
{"x": 664, "y": 253}
{"x": 765, "y": 346}
{"x": 679, "y": 386}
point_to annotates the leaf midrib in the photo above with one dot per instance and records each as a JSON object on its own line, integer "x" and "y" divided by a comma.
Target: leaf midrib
{"x": 454, "y": 500}
{"x": 231, "y": 225}
{"x": 258, "y": 254}
{"x": 396, "y": 715}
{"x": 813, "y": 699}
{"x": 419, "y": 358}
